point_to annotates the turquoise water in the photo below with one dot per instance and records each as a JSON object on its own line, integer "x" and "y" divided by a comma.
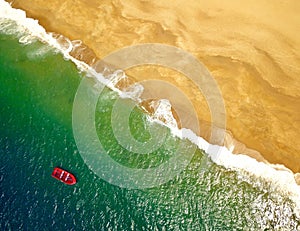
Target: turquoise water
{"x": 37, "y": 91}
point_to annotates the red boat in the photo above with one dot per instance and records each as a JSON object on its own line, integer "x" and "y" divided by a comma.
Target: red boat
{"x": 64, "y": 176}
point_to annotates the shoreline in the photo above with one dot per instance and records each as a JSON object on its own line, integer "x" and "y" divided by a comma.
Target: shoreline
{"x": 70, "y": 32}
{"x": 282, "y": 191}
{"x": 281, "y": 181}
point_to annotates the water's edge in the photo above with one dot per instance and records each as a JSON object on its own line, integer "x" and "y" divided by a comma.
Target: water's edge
{"x": 282, "y": 179}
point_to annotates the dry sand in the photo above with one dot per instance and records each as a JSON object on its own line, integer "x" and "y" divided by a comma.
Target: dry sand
{"x": 252, "y": 48}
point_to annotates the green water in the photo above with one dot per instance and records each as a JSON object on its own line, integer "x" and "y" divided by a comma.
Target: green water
{"x": 36, "y": 97}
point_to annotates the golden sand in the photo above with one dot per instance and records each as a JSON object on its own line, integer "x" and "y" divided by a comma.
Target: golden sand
{"x": 252, "y": 48}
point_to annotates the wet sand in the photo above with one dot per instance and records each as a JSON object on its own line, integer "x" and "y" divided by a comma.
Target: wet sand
{"x": 252, "y": 49}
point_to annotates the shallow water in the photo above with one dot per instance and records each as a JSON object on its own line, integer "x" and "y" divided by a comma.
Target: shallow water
{"x": 37, "y": 91}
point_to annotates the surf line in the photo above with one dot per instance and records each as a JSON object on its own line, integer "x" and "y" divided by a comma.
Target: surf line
{"x": 283, "y": 180}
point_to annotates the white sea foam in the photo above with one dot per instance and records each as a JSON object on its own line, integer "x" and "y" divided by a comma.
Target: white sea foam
{"x": 281, "y": 179}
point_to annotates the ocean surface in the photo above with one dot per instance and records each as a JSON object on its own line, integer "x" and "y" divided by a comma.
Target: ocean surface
{"x": 37, "y": 91}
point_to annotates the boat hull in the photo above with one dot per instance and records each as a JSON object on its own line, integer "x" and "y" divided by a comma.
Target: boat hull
{"x": 64, "y": 176}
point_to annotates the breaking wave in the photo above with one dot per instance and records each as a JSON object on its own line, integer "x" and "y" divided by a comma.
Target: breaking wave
{"x": 28, "y": 30}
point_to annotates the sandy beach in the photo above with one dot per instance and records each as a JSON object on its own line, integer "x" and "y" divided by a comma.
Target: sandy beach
{"x": 252, "y": 49}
